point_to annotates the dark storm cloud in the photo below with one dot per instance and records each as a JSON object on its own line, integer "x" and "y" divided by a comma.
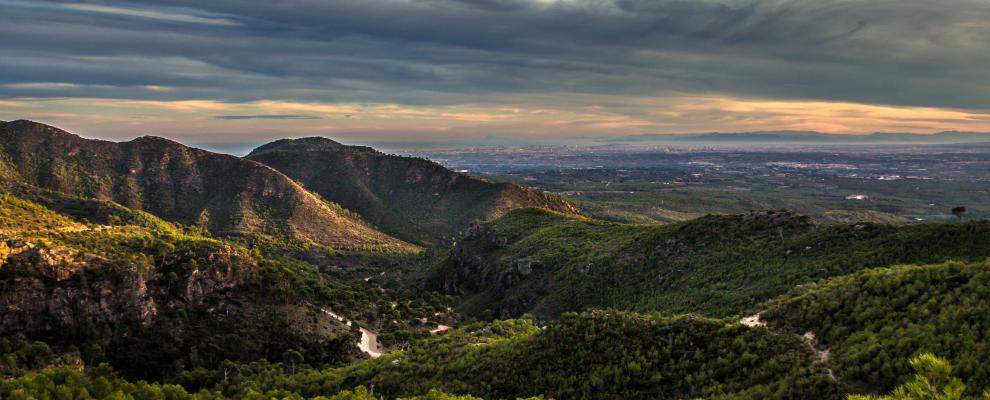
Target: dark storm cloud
{"x": 905, "y": 52}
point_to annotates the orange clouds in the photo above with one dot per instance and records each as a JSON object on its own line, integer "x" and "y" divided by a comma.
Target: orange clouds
{"x": 838, "y": 117}
{"x": 546, "y": 116}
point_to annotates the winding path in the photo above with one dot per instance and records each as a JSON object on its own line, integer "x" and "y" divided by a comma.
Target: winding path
{"x": 809, "y": 339}
{"x": 369, "y": 340}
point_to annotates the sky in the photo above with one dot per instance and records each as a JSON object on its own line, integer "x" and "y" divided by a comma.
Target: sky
{"x": 365, "y": 71}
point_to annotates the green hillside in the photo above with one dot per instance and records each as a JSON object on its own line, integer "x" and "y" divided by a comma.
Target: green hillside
{"x": 547, "y": 263}
{"x": 869, "y": 324}
{"x": 224, "y": 194}
{"x": 610, "y": 354}
{"x": 19, "y": 215}
{"x": 215, "y": 319}
{"x": 873, "y": 321}
{"x": 83, "y": 209}
{"x": 601, "y": 355}
{"x": 415, "y": 199}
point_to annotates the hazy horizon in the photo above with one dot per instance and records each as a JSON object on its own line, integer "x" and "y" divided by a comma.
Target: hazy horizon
{"x": 686, "y": 139}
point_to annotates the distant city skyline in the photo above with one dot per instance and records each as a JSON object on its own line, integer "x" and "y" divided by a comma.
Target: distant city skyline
{"x": 419, "y": 71}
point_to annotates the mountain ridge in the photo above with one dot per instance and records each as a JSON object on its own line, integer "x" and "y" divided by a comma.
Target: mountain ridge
{"x": 224, "y": 193}
{"x": 413, "y": 198}
{"x": 944, "y": 137}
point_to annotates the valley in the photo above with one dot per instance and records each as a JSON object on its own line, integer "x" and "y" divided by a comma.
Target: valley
{"x": 310, "y": 269}
{"x": 902, "y": 183}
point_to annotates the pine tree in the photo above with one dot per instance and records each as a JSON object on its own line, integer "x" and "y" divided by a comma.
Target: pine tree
{"x": 933, "y": 381}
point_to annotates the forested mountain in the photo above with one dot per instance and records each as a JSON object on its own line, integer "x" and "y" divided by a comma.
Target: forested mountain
{"x": 873, "y": 321}
{"x": 545, "y": 263}
{"x": 415, "y": 199}
{"x": 610, "y": 354}
{"x": 224, "y": 194}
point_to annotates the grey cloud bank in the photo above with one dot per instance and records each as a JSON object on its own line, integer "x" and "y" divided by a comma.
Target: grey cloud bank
{"x": 908, "y": 52}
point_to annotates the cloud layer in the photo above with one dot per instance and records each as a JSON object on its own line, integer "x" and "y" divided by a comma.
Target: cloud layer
{"x": 607, "y": 60}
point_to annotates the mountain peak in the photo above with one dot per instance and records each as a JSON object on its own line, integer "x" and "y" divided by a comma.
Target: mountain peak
{"x": 313, "y": 143}
{"x": 156, "y": 140}
{"x": 34, "y": 127}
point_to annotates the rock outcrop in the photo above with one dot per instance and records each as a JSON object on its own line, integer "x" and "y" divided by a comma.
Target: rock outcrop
{"x": 116, "y": 305}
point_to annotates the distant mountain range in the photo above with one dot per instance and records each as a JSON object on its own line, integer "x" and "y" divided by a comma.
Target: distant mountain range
{"x": 786, "y": 136}
{"x": 947, "y": 137}
{"x": 759, "y": 137}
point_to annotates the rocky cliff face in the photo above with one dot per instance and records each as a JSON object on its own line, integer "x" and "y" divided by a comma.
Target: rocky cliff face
{"x": 412, "y": 198}
{"x": 475, "y": 265}
{"x": 35, "y": 307}
{"x": 117, "y": 307}
{"x": 47, "y": 291}
{"x": 21, "y": 257}
{"x": 226, "y": 194}
{"x": 39, "y": 298}
{"x": 473, "y": 273}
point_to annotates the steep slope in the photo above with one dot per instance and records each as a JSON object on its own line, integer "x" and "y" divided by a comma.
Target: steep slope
{"x": 538, "y": 261}
{"x": 412, "y": 198}
{"x": 872, "y": 322}
{"x": 17, "y": 215}
{"x": 84, "y": 209}
{"x": 225, "y": 194}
